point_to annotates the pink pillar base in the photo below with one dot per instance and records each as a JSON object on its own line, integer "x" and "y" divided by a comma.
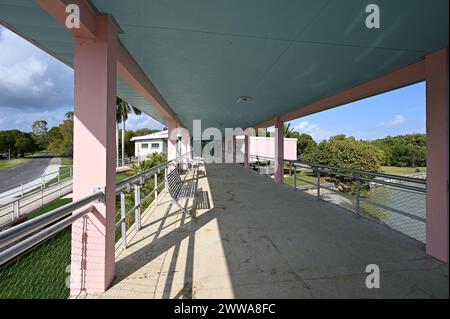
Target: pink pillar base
{"x": 437, "y": 241}
{"x": 93, "y": 238}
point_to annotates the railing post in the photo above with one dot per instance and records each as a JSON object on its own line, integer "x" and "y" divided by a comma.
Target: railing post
{"x": 358, "y": 186}
{"x": 156, "y": 186}
{"x": 295, "y": 177}
{"x": 42, "y": 190}
{"x": 318, "y": 183}
{"x": 123, "y": 217}
{"x": 21, "y": 190}
{"x": 14, "y": 214}
{"x": 137, "y": 203}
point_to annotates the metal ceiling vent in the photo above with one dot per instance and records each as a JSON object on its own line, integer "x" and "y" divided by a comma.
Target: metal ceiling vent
{"x": 244, "y": 99}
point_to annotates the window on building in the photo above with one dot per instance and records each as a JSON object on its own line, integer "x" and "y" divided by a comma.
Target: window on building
{"x": 155, "y": 145}
{"x": 144, "y": 145}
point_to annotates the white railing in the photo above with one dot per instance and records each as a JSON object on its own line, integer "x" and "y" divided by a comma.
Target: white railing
{"x": 130, "y": 160}
{"x": 35, "y": 195}
{"x": 42, "y": 182}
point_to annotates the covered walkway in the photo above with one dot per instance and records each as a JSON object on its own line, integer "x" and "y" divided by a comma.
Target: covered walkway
{"x": 257, "y": 239}
{"x": 183, "y": 63}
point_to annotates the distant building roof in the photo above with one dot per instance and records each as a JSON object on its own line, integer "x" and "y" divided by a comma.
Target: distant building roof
{"x": 162, "y": 135}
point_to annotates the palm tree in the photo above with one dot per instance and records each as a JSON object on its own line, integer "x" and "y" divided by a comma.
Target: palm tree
{"x": 123, "y": 108}
{"x": 69, "y": 116}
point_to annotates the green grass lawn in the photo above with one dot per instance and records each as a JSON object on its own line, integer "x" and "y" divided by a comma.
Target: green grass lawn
{"x": 7, "y": 164}
{"x": 53, "y": 205}
{"x": 66, "y": 161}
{"x": 305, "y": 175}
{"x": 123, "y": 175}
{"x": 41, "y": 272}
{"x": 402, "y": 170}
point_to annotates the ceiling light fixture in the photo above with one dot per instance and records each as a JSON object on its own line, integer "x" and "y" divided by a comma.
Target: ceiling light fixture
{"x": 244, "y": 99}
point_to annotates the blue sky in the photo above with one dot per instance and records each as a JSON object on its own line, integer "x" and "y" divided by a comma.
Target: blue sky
{"x": 397, "y": 112}
{"x": 34, "y": 85}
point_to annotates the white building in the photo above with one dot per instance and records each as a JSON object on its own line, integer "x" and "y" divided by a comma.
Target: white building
{"x": 151, "y": 143}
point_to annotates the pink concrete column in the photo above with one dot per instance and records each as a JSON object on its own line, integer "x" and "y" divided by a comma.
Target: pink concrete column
{"x": 436, "y": 65}
{"x": 93, "y": 238}
{"x": 279, "y": 151}
{"x": 234, "y": 149}
{"x": 246, "y": 151}
{"x": 172, "y": 140}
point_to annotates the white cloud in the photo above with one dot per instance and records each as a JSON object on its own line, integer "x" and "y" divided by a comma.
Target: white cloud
{"x": 30, "y": 79}
{"x": 24, "y": 75}
{"x": 397, "y": 120}
{"x": 317, "y": 133}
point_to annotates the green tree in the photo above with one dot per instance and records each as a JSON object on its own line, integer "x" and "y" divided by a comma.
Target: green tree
{"x": 40, "y": 131}
{"x": 305, "y": 144}
{"x": 61, "y": 137}
{"x": 123, "y": 108}
{"x": 16, "y": 143}
{"x": 24, "y": 144}
{"x": 403, "y": 150}
{"x": 346, "y": 152}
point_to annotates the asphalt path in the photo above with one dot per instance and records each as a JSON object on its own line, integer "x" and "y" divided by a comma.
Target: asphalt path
{"x": 25, "y": 172}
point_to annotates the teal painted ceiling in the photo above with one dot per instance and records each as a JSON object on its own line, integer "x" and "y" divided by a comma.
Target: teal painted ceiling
{"x": 203, "y": 54}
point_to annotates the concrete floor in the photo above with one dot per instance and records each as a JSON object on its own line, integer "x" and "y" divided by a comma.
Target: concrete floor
{"x": 262, "y": 240}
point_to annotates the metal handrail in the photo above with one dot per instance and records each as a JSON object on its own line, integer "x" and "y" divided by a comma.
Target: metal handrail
{"x": 136, "y": 179}
{"x": 61, "y": 217}
{"x": 17, "y": 232}
{"x": 360, "y": 178}
{"x": 354, "y": 171}
{"x": 39, "y": 237}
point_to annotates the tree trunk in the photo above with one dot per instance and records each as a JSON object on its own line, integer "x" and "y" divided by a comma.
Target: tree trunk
{"x": 123, "y": 140}
{"x": 117, "y": 144}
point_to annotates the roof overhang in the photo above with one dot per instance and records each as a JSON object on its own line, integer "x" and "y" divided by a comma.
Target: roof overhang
{"x": 194, "y": 60}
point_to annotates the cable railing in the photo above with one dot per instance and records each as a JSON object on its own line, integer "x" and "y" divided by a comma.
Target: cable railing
{"x": 394, "y": 201}
{"x": 37, "y": 251}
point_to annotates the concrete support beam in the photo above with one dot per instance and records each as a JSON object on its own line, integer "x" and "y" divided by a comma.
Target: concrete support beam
{"x": 437, "y": 241}
{"x": 57, "y": 9}
{"x": 127, "y": 67}
{"x": 93, "y": 238}
{"x": 411, "y": 74}
{"x": 131, "y": 72}
{"x": 279, "y": 150}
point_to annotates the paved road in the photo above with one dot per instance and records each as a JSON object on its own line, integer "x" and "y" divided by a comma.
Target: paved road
{"x": 26, "y": 172}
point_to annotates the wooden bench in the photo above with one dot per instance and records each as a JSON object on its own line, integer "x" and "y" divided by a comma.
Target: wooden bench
{"x": 179, "y": 189}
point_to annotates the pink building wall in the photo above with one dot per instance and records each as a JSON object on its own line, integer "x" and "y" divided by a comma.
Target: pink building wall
{"x": 264, "y": 146}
